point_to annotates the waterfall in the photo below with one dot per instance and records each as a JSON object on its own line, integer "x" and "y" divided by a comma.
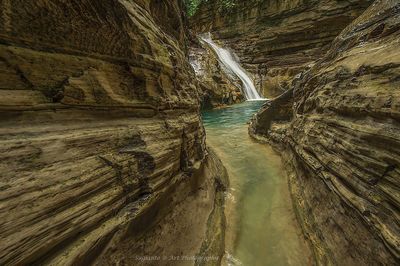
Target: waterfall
{"x": 228, "y": 60}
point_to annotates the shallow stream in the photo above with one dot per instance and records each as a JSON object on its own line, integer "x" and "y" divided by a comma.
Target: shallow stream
{"x": 261, "y": 225}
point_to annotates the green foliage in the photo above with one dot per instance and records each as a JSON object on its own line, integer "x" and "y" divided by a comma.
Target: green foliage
{"x": 228, "y": 3}
{"x": 192, "y": 5}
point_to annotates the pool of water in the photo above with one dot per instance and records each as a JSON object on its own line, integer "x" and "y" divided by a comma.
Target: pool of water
{"x": 261, "y": 225}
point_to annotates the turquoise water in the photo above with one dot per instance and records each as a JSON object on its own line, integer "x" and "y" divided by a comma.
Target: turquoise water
{"x": 261, "y": 225}
{"x": 233, "y": 116}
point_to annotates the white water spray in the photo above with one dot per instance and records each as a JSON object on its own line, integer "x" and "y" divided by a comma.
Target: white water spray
{"x": 227, "y": 59}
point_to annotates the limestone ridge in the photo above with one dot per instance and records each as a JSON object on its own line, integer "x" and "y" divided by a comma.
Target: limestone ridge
{"x": 277, "y": 39}
{"x": 99, "y": 121}
{"x": 338, "y": 129}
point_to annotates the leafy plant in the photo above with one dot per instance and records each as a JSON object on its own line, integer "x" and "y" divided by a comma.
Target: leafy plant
{"x": 192, "y": 5}
{"x": 228, "y": 3}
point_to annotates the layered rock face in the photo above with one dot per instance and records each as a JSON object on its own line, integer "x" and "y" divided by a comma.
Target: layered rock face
{"x": 277, "y": 39}
{"x": 219, "y": 86}
{"x": 99, "y": 124}
{"x": 338, "y": 129}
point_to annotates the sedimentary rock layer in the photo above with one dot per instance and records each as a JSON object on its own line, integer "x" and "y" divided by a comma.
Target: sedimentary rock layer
{"x": 339, "y": 131}
{"x": 191, "y": 230}
{"x": 277, "y": 39}
{"x": 98, "y": 121}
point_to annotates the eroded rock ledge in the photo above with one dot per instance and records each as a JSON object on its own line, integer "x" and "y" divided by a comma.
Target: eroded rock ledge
{"x": 99, "y": 123}
{"x": 339, "y": 132}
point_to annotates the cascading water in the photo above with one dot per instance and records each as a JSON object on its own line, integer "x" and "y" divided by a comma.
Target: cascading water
{"x": 228, "y": 60}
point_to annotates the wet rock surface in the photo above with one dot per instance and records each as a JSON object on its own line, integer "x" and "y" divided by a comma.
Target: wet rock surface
{"x": 219, "y": 86}
{"x": 99, "y": 123}
{"x": 277, "y": 39}
{"x": 338, "y": 130}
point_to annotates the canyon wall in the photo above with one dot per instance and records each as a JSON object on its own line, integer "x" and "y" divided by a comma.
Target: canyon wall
{"x": 277, "y": 39}
{"x": 99, "y": 127}
{"x": 338, "y": 129}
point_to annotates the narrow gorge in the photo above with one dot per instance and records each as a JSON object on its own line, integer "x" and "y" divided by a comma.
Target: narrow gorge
{"x": 200, "y": 132}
